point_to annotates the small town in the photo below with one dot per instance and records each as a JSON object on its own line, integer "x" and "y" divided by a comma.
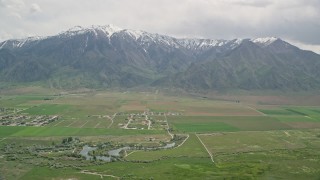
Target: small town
{"x": 26, "y": 120}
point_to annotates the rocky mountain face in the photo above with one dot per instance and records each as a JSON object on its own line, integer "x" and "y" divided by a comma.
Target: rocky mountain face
{"x": 108, "y": 56}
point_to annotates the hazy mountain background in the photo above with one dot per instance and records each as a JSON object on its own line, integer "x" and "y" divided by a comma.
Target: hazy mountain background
{"x": 108, "y": 56}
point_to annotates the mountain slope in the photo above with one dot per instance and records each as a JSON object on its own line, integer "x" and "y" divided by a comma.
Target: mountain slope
{"x": 108, "y": 56}
{"x": 250, "y": 66}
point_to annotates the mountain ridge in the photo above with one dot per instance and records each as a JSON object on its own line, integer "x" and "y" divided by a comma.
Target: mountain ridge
{"x": 111, "y": 29}
{"x": 109, "y": 56}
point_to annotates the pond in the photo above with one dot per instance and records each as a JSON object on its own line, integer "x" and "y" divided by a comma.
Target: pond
{"x": 85, "y": 152}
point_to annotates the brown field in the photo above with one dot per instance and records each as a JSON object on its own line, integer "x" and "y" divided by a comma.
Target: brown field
{"x": 312, "y": 99}
{"x": 303, "y": 125}
{"x": 28, "y": 90}
{"x": 133, "y": 106}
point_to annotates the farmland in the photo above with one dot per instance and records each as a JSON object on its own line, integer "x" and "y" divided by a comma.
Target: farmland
{"x": 211, "y": 137}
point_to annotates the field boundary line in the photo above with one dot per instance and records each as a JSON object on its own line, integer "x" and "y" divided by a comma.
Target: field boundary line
{"x": 3, "y": 139}
{"x": 97, "y": 125}
{"x": 97, "y": 174}
{"x": 149, "y": 122}
{"x": 84, "y": 124}
{"x": 126, "y": 125}
{"x": 256, "y": 110}
{"x": 309, "y": 117}
{"x": 58, "y": 123}
{"x": 168, "y": 126}
{"x": 72, "y": 123}
{"x": 129, "y": 153}
{"x": 205, "y": 147}
{"x": 183, "y": 142}
{"x": 112, "y": 120}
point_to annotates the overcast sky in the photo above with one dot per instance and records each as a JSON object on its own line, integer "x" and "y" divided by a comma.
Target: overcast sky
{"x": 296, "y": 21}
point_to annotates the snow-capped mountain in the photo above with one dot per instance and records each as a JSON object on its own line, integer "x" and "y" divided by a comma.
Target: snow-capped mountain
{"x": 109, "y": 56}
{"x": 142, "y": 37}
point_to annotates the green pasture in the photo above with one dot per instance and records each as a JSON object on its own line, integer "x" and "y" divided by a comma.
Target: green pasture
{"x": 293, "y": 111}
{"x": 225, "y": 123}
{"x": 191, "y": 148}
{"x": 270, "y": 164}
{"x": 305, "y": 111}
{"x": 173, "y": 168}
{"x": 47, "y": 109}
{"x": 295, "y": 119}
{"x": 251, "y": 141}
{"x": 8, "y": 131}
{"x": 67, "y": 131}
{"x": 43, "y": 173}
{"x": 277, "y": 112}
{"x": 203, "y": 127}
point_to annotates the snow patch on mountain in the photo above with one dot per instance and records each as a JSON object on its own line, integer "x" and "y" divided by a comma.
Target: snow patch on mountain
{"x": 234, "y": 43}
{"x": 146, "y": 39}
{"x": 135, "y": 34}
{"x": 3, "y": 44}
{"x": 109, "y": 30}
{"x": 205, "y": 44}
{"x": 264, "y": 41}
{"x": 18, "y": 43}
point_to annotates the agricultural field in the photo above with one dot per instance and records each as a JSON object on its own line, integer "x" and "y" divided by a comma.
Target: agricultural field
{"x": 152, "y": 135}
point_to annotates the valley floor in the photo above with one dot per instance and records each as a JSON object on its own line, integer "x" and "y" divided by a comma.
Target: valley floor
{"x": 212, "y": 137}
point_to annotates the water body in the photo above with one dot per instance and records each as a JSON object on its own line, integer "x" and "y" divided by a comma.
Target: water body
{"x": 85, "y": 152}
{"x": 167, "y": 146}
{"x": 115, "y": 152}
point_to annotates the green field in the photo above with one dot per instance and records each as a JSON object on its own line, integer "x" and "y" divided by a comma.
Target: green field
{"x": 276, "y": 154}
{"x": 7, "y": 131}
{"x": 47, "y": 109}
{"x": 226, "y": 123}
{"x": 191, "y": 148}
{"x": 64, "y": 131}
{"x": 204, "y": 127}
{"x": 217, "y": 137}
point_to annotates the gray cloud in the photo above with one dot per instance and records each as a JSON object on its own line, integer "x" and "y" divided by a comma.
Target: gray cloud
{"x": 295, "y": 20}
{"x": 35, "y": 8}
{"x": 255, "y": 3}
{"x": 2, "y": 4}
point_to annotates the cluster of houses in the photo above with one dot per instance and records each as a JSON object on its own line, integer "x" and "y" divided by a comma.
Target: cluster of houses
{"x": 150, "y": 113}
{"x": 145, "y": 120}
{"x": 24, "y": 120}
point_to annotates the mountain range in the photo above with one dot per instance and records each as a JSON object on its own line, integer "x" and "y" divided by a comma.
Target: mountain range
{"x": 108, "y": 56}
